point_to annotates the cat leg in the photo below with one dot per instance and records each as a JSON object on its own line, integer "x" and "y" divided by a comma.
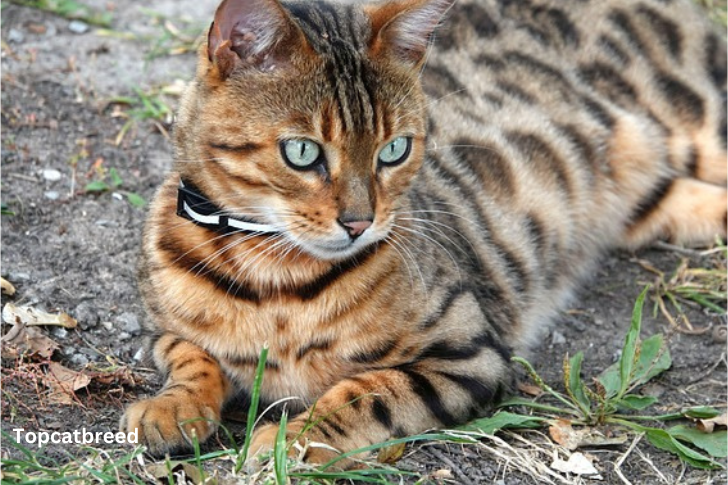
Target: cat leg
{"x": 195, "y": 388}
{"x": 378, "y": 405}
{"x": 684, "y": 210}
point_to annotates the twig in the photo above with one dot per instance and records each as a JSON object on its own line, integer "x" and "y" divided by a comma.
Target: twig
{"x": 647, "y": 460}
{"x": 455, "y": 468}
{"x": 677, "y": 249}
{"x": 619, "y": 462}
{"x": 708, "y": 372}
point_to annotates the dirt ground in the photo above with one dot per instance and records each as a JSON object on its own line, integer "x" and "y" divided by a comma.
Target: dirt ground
{"x": 69, "y": 250}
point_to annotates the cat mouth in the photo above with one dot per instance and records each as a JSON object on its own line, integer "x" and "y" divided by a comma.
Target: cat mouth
{"x": 330, "y": 250}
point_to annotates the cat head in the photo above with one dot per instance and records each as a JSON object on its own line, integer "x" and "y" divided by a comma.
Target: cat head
{"x": 310, "y": 117}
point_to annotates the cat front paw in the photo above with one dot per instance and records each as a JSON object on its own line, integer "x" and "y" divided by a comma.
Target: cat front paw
{"x": 166, "y": 424}
{"x": 309, "y": 446}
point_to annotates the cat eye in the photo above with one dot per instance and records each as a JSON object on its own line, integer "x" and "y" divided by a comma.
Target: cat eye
{"x": 300, "y": 153}
{"x": 395, "y": 151}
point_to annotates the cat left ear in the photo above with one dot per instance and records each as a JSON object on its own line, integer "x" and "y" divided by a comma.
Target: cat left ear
{"x": 403, "y": 28}
{"x": 251, "y": 33}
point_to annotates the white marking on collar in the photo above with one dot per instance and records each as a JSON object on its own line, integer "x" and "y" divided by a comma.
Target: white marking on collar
{"x": 223, "y": 221}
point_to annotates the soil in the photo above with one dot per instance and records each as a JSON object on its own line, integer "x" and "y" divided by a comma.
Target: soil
{"x": 68, "y": 250}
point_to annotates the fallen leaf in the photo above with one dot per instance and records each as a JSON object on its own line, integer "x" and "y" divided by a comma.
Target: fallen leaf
{"x": 391, "y": 454}
{"x": 30, "y": 316}
{"x": 577, "y": 464}
{"x": 442, "y": 474}
{"x": 7, "y": 287}
{"x": 63, "y": 383}
{"x": 183, "y": 473}
{"x": 530, "y": 389}
{"x": 707, "y": 425}
{"x": 564, "y": 434}
{"x": 22, "y": 339}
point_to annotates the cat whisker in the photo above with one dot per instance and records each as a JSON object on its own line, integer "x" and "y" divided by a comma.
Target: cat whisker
{"x": 434, "y": 241}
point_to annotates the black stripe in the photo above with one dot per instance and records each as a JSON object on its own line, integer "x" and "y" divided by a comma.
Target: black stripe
{"x": 514, "y": 267}
{"x": 665, "y": 29}
{"x": 245, "y": 148}
{"x": 598, "y": 112}
{"x": 430, "y": 397}
{"x": 488, "y": 164}
{"x": 312, "y": 289}
{"x": 606, "y": 80}
{"x": 685, "y": 102}
{"x": 715, "y": 60}
{"x": 181, "y": 365}
{"x": 614, "y": 51}
{"x": 312, "y": 346}
{"x": 336, "y": 428}
{"x": 564, "y": 25}
{"x": 381, "y": 412}
{"x": 516, "y": 91}
{"x": 691, "y": 165}
{"x": 553, "y": 75}
{"x": 245, "y": 361}
{"x": 444, "y": 350}
{"x": 368, "y": 357}
{"x": 650, "y": 203}
{"x": 197, "y": 376}
{"x": 170, "y": 347}
{"x": 438, "y": 81}
{"x": 180, "y": 386}
{"x": 537, "y": 233}
{"x": 353, "y": 399}
{"x": 621, "y": 20}
{"x": 453, "y": 293}
{"x": 479, "y": 392}
{"x": 539, "y": 153}
{"x": 184, "y": 259}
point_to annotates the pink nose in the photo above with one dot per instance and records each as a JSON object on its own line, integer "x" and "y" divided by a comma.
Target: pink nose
{"x": 356, "y": 228}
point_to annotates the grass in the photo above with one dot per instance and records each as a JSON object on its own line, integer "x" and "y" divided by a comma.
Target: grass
{"x": 611, "y": 400}
{"x": 139, "y": 107}
{"x": 69, "y": 9}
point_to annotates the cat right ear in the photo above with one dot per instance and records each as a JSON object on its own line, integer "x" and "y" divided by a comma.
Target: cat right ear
{"x": 251, "y": 33}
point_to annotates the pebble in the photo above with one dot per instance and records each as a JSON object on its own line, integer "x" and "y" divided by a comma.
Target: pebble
{"x": 86, "y": 315}
{"x": 51, "y": 195}
{"x": 59, "y": 332}
{"x": 78, "y": 360}
{"x": 129, "y": 323}
{"x": 52, "y": 175}
{"x": 123, "y": 336}
{"x": 78, "y": 27}
{"x": 106, "y": 223}
{"x": 139, "y": 355}
{"x": 557, "y": 338}
{"x": 107, "y": 325}
{"x": 17, "y": 277}
{"x": 15, "y": 36}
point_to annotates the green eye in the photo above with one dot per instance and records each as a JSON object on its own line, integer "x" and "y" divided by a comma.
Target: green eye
{"x": 396, "y": 151}
{"x": 300, "y": 153}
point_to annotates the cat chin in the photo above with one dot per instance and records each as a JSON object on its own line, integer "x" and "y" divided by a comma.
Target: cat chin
{"x": 327, "y": 253}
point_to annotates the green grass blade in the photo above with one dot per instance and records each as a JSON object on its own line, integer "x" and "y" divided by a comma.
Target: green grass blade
{"x": 253, "y": 410}
{"x": 280, "y": 452}
{"x": 630, "y": 349}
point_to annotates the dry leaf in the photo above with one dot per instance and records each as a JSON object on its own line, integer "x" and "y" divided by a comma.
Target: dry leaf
{"x": 184, "y": 473}
{"x": 32, "y": 341}
{"x": 530, "y": 389}
{"x": 571, "y": 439}
{"x": 391, "y": 454}
{"x": 707, "y": 425}
{"x": 577, "y": 464}
{"x": 442, "y": 474}
{"x": 63, "y": 383}
{"x": 7, "y": 287}
{"x": 30, "y": 316}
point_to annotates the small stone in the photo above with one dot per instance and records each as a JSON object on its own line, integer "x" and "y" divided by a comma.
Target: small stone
{"x": 86, "y": 315}
{"x": 15, "y": 36}
{"x": 78, "y": 360}
{"x": 139, "y": 355}
{"x": 78, "y": 27}
{"x": 106, "y": 223}
{"x": 129, "y": 323}
{"x": 124, "y": 336}
{"x": 51, "y": 195}
{"x": 18, "y": 277}
{"x": 107, "y": 325}
{"x": 59, "y": 332}
{"x": 557, "y": 338}
{"x": 52, "y": 175}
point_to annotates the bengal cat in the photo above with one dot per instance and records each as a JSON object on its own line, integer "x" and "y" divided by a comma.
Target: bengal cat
{"x": 397, "y": 208}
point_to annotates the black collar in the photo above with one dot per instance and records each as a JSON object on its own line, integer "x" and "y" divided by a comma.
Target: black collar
{"x": 192, "y": 204}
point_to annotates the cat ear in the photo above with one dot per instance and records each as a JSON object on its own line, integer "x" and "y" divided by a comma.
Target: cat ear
{"x": 403, "y": 28}
{"x": 251, "y": 33}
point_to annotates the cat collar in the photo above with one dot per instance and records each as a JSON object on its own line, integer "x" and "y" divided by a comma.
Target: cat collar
{"x": 193, "y": 205}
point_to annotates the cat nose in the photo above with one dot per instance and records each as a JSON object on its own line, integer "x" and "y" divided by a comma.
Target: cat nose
{"x": 355, "y": 228}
